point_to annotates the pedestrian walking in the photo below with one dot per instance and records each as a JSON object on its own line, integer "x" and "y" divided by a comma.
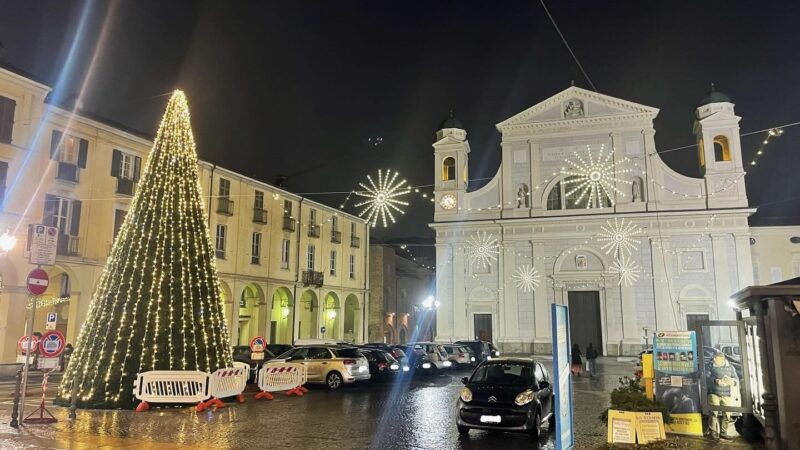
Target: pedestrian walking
{"x": 591, "y": 360}
{"x": 577, "y": 363}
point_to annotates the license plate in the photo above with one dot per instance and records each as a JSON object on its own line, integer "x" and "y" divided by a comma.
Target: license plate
{"x": 490, "y": 419}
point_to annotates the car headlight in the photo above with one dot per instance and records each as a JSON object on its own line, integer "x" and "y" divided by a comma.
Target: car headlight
{"x": 472, "y": 358}
{"x": 394, "y": 367}
{"x": 488, "y": 358}
{"x": 426, "y": 365}
{"x": 448, "y": 364}
{"x": 466, "y": 395}
{"x": 524, "y": 397}
{"x": 406, "y": 369}
{"x": 497, "y": 353}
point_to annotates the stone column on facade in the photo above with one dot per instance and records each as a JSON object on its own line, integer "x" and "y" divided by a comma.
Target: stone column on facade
{"x": 444, "y": 293}
{"x": 664, "y": 305}
{"x": 744, "y": 260}
{"x": 509, "y": 301}
{"x": 541, "y": 305}
{"x": 458, "y": 314}
{"x": 722, "y": 276}
{"x": 631, "y": 332}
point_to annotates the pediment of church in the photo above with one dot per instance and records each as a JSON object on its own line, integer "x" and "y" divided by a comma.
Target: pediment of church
{"x": 578, "y": 104}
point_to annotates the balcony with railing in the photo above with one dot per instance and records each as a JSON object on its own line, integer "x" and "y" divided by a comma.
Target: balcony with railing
{"x": 336, "y": 237}
{"x": 355, "y": 242}
{"x": 288, "y": 223}
{"x": 126, "y": 186}
{"x": 225, "y": 206}
{"x": 259, "y": 215}
{"x": 313, "y": 230}
{"x": 67, "y": 245}
{"x": 67, "y": 172}
{"x": 311, "y": 277}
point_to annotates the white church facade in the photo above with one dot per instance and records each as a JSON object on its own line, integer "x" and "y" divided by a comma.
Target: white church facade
{"x": 583, "y": 212}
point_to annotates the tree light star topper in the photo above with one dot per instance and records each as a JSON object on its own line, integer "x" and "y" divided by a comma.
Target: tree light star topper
{"x": 619, "y": 238}
{"x": 526, "y": 278}
{"x": 627, "y": 269}
{"x": 594, "y": 179}
{"x": 382, "y": 198}
{"x": 482, "y": 247}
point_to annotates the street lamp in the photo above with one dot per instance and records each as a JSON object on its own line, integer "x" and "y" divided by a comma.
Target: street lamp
{"x": 7, "y": 242}
{"x": 429, "y": 302}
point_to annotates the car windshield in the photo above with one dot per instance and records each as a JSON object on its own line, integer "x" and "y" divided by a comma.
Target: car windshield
{"x": 464, "y": 350}
{"x": 450, "y": 349}
{"x": 348, "y": 353}
{"x": 512, "y": 374}
{"x": 400, "y": 353}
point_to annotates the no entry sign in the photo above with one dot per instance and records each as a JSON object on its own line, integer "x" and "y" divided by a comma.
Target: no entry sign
{"x": 38, "y": 282}
{"x": 24, "y": 344}
{"x": 52, "y": 344}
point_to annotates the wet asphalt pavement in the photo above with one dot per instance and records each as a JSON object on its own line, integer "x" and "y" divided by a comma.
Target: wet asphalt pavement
{"x": 416, "y": 413}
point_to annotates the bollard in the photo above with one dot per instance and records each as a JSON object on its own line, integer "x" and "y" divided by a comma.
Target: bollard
{"x": 15, "y": 410}
{"x": 73, "y": 401}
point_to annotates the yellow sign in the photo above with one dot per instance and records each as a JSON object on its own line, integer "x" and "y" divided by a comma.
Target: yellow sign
{"x": 647, "y": 366}
{"x": 649, "y": 427}
{"x": 689, "y": 424}
{"x": 621, "y": 427}
{"x": 626, "y": 427}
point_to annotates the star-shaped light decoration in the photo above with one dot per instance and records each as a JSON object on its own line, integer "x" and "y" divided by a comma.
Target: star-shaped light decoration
{"x": 382, "y": 198}
{"x": 619, "y": 238}
{"x": 482, "y": 248}
{"x": 594, "y": 178}
{"x": 526, "y": 277}
{"x": 627, "y": 269}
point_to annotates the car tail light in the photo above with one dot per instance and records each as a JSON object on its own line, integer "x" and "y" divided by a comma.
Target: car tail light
{"x": 350, "y": 362}
{"x": 382, "y": 365}
{"x": 461, "y": 355}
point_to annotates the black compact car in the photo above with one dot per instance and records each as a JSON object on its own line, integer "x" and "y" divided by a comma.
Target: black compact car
{"x": 242, "y": 353}
{"x": 417, "y": 360}
{"x": 507, "y": 394}
{"x": 481, "y": 350}
{"x": 279, "y": 349}
{"x": 396, "y": 352}
{"x": 382, "y": 365}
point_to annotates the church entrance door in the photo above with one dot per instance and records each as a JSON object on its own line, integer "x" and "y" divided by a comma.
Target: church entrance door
{"x": 584, "y": 320}
{"x": 483, "y": 327}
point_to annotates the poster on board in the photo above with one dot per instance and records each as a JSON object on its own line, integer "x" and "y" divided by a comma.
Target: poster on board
{"x": 562, "y": 378}
{"x": 677, "y": 380}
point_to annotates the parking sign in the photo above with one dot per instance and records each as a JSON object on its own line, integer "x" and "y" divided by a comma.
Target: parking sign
{"x": 43, "y": 244}
{"x": 52, "y": 318}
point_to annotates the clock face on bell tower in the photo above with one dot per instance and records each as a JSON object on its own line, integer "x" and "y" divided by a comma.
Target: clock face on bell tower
{"x": 448, "y": 201}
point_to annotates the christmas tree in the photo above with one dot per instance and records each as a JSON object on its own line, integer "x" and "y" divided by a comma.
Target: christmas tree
{"x": 157, "y": 305}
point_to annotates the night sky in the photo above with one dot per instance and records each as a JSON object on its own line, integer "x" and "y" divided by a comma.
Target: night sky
{"x": 299, "y": 88}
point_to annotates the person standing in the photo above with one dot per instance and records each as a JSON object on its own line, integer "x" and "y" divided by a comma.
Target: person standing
{"x": 577, "y": 363}
{"x": 591, "y": 360}
{"x": 723, "y": 383}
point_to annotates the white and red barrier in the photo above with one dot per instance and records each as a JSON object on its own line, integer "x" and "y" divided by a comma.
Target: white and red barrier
{"x": 281, "y": 376}
{"x": 227, "y": 382}
{"x": 170, "y": 386}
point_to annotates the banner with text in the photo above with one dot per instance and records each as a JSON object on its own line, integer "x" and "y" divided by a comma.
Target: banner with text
{"x": 677, "y": 379}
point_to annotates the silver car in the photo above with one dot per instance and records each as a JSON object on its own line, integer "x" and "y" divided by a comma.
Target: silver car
{"x": 332, "y": 365}
{"x": 458, "y": 355}
{"x": 436, "y": 353}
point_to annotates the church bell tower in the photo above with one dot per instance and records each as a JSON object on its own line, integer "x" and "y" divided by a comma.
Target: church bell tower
{"x": 451, "y": 158}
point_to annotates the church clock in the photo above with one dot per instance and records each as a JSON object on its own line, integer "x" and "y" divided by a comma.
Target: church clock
{"x": 448, "y": 201}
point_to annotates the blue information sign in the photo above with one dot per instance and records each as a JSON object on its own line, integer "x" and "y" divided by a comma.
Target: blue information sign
{"x": 562, "y": 377}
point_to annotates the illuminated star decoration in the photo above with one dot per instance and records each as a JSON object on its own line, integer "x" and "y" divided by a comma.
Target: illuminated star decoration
{"x": 526, "y": 278}
{"x": 594, "y": 178}
{"x": 382, "y": 198}
{"x": 627, "y": 269}
{"x": 482, "y": 248}
{"x": 619, "y": 237}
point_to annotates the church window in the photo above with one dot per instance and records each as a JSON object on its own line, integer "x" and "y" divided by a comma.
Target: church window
{"x": 449, "y": 169}
{"x": 554, "y": 197}
{"x": 565, "y": 196}
{"x": 722, "y": 149}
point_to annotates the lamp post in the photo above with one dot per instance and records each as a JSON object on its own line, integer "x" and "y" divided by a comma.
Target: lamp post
{"x": 431, "y": 304}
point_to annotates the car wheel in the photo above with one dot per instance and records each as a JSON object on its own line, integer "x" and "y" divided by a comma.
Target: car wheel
{"x": 334, "y": 380}
{"x": 462, "y": 430}
{"x": 535, "y": 430}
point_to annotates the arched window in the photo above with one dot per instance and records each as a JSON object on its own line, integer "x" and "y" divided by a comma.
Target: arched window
{"x": 722, "y": 148}
{"x": 564, "y": 195}
{"x": 449, "y": 169}
{"x": 554, "y": 197}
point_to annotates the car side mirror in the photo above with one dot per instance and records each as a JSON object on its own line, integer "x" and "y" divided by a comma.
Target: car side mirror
{"x": 465, "y": 380}
{"x": 544, "y": 385}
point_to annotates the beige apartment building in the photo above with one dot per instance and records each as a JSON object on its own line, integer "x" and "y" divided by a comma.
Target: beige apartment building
{"x": 289, "y": 267}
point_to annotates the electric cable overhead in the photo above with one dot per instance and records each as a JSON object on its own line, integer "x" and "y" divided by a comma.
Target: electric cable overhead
{"x": 566, "y": 44}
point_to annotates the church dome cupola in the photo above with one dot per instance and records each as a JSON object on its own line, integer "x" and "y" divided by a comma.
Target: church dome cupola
{"x": 451, "y": 122}
{"x": 451, "y": 127}
{"x": 715, "y": 96}
{"x": 714, "y": 102}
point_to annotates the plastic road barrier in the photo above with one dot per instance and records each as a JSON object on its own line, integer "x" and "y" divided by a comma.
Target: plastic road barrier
{"x": 278, "y": 376}
{"x": 170, "y": 386}
{"x": 227, "y": 382}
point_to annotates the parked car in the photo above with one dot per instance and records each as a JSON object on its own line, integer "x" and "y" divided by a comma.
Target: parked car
{"x": 481, "y": 349}
{"x": 493, "y": 350}
{"x": 436, "y": 353}
{"x": 417, "y": 359}
{"x": 242, "y": 353}
{"x": 459, "y": 355}
{"x": 279, "y": 349}
{"x": 396, "y": 352}
{"x": 332, "y": 365}
{"x": 507, "y": 394}
{"x": 382, "y": 365}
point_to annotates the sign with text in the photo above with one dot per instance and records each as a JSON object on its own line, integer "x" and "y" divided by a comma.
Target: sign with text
{"x": 627, "y": 427}
{"x": 677, "y": 379}
{"x": 43, "y": 245}
{"x": 562, "y": 377}
{"x": 650, "y": 427}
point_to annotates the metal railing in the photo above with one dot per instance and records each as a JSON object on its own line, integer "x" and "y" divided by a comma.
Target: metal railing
{"x": 355, "y": 241}
{"x": 259, "y": 215}
{"x": 220, "y": 254}
{"x": 313, "y": 230}
{"x": 336, "y": 237}
{"x": 288, "y": 224}
{"x": 225, "y": 206}
{"x": 67, "y": 172}
{"x": 126, "y": 186}
{"x": 313, "y": 277}
{"x": 67, "y": 245}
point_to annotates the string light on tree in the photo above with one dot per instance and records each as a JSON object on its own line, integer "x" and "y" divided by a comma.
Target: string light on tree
{"x": 594, "y": 179}
{"x": 526, "y": 278}
{"x": 619, "y": 238}
{"x": 627, "y": 270}
{"x": 482, "y": 248}
{"x": 158, "y": 304}
{"x": 382, "y": 198}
